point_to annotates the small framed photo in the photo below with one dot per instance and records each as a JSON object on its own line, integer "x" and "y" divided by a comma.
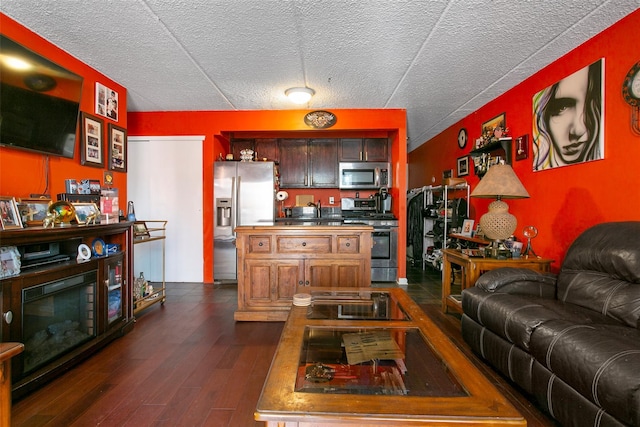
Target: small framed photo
{"x": 33, "y": 211}
{"x": 447, "y": 174}
{"x": 9, "y": 261}
{"x": 463, "y": 166}
{"x": 91, "y": 141}
{"x": 522, "y": 147}
{"x": 467, "y": 227}
{"x": 86, "y": 212}
{"x": 140, "y": 230}
{"x": 106, "y": 102}
{"x": 9, "y": 216}
{"x": 117, "y": 148}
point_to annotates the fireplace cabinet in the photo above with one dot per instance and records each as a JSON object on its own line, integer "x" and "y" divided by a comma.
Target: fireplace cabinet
{"x": 62, "y": 308}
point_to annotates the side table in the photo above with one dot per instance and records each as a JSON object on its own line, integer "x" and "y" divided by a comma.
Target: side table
{"x": 473, "y": 267}
{"x": 7, "y": 351}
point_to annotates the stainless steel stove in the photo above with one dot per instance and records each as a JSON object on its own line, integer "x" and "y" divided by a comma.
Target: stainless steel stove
{"x": 384, "y": 254}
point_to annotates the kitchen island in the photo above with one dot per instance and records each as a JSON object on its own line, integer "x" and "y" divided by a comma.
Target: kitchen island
{"x": 276, "y": 261}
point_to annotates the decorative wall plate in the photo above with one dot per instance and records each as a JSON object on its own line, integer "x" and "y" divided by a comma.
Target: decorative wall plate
{"x": 320, "y": 119}
{"x": 631, "y": 86}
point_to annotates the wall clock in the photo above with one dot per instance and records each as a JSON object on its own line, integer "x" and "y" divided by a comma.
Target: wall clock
{"x": 462, "y": 138}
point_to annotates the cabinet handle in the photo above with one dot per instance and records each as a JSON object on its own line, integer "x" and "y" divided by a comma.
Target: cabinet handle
{"x": 260, "y": 244}
{"x": 304, "y": 243}
{"x": 361, "y": 156}
{"x": 306, "y": 283}
{"x": 300, "y": 282}
{"x": 348, "y": 244}
{"x": 8, "y": 317}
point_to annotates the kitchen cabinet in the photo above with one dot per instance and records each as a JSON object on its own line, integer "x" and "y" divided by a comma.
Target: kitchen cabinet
{"x": 364, "y": 150}
{"x": 262, "y": 147}
{"x": 308, "y": 163}
{"x": 276, "y": 262}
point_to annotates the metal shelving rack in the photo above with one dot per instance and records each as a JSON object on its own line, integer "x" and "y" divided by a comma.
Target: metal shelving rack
{"x": 153, "y": 230}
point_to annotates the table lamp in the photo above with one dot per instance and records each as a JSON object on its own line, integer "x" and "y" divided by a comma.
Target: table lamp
{"x": 500, "y": 182}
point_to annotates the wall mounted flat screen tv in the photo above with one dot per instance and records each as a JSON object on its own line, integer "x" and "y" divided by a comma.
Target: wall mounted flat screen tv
{"x": 39, "y": 102}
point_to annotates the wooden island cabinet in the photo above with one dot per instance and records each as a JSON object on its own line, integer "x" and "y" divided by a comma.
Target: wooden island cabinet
{"x": 276, "y": 262}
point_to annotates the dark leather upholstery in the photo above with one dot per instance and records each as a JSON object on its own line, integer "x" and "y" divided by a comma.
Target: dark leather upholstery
{"x": 570, "y": 340}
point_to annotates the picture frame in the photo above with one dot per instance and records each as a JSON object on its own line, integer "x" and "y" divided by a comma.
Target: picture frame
{"x": 91, "y": 140}
{"x": 463, "y": 166}
{"x": 467, "y": 228}
{"x": 522, "y": 147}
{"x": 33, "y": 211}
{"x": 106, "y": 102}
{"x": 9, "y": 261}
{"x": 489, "y": 127}
{"x": 140, "y": 230}
{"x": 447, "y": 174}
{"x": 9, "y": 215}
{"x": 117, "y": 148}
{"x": 86, "y": 212}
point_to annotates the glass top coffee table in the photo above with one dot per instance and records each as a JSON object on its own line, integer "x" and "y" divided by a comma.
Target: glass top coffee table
{"x": 371, "y": 357}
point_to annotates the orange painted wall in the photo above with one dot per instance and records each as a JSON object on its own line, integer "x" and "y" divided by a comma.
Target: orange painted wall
{"x": 215, "y": 124}
{"x": 567, "y": 200}
{"x": 23, "y": 173}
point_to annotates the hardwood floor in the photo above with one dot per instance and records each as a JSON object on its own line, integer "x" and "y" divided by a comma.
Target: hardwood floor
{"x": 188, "y": 363}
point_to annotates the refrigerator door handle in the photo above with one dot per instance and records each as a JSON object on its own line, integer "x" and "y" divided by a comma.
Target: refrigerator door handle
{"x": 234, "y": 205}
{"x": 238, "y": 217}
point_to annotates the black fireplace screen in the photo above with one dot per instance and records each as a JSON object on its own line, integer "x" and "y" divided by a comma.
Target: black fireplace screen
{"x": 57, "y": 317}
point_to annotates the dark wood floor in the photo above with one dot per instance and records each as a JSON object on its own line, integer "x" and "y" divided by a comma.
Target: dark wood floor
{"x": 188, "y": 363}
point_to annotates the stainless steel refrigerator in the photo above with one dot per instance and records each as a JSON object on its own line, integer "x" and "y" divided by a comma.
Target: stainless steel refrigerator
{"x": 243, "y": 194}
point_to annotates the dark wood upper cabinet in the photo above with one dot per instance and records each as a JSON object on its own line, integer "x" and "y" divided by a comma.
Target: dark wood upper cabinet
{"x": 266, "y": 148}
{"x": 323, "y": 163}
{"x": 364, "y": 150}
{"x": 308, "y": 163}
{"x": 293, "y": 163}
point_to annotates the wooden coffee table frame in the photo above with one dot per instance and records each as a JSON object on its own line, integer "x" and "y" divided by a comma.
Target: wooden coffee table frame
{"x": 279, "y": 405}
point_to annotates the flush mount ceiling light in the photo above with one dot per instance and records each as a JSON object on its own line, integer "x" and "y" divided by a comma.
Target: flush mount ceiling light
{"x": 299, "y": 95}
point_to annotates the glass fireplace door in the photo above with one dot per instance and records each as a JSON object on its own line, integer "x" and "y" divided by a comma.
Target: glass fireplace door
{"x": 57, "y": 316}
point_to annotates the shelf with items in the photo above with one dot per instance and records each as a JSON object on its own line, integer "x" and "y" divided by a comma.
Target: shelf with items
{"x": 440, "y": 210}
{"x": 496, "y": 151}
{"x": 144, "y": 292}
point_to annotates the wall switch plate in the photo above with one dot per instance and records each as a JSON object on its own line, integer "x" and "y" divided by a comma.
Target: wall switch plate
{"x": 331, "y": 200}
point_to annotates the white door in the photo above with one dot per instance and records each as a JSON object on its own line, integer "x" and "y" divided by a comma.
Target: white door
{"x": 164, "y": 180}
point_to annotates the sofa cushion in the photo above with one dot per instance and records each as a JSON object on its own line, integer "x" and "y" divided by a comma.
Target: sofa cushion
{"x": 601, "y": 271}
{"x": 600, "y": 361}
{"x": 515, "y": 317}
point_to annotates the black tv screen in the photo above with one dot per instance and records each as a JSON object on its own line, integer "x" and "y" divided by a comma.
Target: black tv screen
{"x": 39, "y": 102}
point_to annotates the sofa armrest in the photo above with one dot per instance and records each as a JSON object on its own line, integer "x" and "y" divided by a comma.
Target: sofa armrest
{"x": 518, "y": 281}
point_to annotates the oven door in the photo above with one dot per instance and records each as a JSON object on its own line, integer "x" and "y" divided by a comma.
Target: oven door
{"x": 384, "y": 254}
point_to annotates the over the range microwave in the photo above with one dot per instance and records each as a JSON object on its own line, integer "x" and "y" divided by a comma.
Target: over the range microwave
{"x": 364, "y": 175}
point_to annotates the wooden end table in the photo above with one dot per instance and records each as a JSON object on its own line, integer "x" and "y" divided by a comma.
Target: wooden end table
{"x": 473, "y": 267}
{"x": 7, "y": 351}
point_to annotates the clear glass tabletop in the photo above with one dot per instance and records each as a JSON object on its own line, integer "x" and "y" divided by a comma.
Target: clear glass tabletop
{"x": 355, "y": 305}
{"x": 372, "y": 361}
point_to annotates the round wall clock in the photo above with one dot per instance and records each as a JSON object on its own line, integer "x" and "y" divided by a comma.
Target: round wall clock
{"x": 631, "y": 86}
{"x": 462, "y": 138}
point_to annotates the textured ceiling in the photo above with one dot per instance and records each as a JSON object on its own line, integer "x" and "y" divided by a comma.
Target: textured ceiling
{"x": 439, "y": 60}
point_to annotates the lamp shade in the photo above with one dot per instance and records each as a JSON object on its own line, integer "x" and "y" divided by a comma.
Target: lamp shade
{"x": 299, "y": 95}
{"x": 500, "y": 182}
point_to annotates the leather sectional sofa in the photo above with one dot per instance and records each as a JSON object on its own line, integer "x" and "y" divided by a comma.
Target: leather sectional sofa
{"x": 571, "y": 340}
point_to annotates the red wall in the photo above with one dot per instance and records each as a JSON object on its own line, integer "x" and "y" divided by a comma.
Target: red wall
{"x": 566, "y": 200}
{"x": 214, "y": 124}
{"x": 23, "y": 173}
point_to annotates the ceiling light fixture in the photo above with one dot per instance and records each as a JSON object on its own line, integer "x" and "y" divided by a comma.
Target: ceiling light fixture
{"x": 299, "y": 95}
